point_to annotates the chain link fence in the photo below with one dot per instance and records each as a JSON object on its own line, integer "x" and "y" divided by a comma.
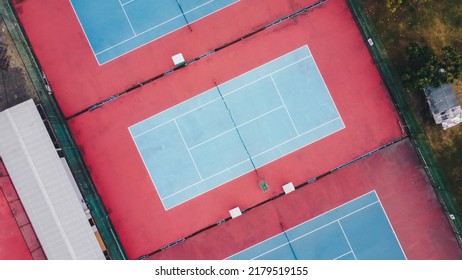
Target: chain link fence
{"x": 415, "y": 131}
{"x": 63, "y": 135}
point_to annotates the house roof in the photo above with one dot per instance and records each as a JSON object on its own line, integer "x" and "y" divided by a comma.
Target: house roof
{"x": 441, "y": 99}
{"x": 44, "y": 187}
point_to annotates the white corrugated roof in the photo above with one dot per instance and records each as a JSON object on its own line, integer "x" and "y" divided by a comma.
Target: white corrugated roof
{"x": 44, "y": 187}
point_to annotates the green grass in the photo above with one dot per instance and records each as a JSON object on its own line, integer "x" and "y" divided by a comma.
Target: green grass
{"x": 435, "y": 23}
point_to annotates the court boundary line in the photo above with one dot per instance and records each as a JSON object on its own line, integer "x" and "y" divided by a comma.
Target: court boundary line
{"x": 247, "y": 160}
{"x": 257, "y": 155}
{"x": 237, "y": 126}
{"x": 128, "y": 2}
{"x": 328, "y": 224}
{"x": 150, "y": 41}
{"x": 216, "y": 99}
{"x": 310, "y": 232}
{"x": 316, "y": 229}
{"x": 285, "y": 106}
{"x": 128, "y": 19}
{"x": 225, "y": 45}
{"x": 275, "y": 197}
{"x": 239, "y": 88}
{"x": 189, "y": 151}
{"x": 84, "y": 33}
{"x": 317, "y": 216}
{"x": 392, "y": 228}
{"x": 342, "y": 256}
{"x": 156, "y": 26}
{"x": 348, "y": 240}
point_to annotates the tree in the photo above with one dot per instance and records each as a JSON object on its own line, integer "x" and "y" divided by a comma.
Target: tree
{"x": 452, "y": 64}
{"x": 393, "y": 5}
{"x": 423, "y": 68}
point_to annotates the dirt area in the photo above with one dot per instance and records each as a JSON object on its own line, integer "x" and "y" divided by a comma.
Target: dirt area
{"x": 436, "y": 24}
{"x": 15, "y": 84}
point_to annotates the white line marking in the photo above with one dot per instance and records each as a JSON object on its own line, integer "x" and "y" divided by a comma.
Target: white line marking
{"x": 156, "y": 38}
{"x": 285, "y": 106}
{"x": 245, "y": 73}
{"x": 341, "y": 256}
{"x": 314, "y": 218}
{"x": 189, "y": 152}
{"x": 128, "y": 2}
{"x": 325, "y": 85}
{"x": 237, "y": 164}
{"x": 151, "y": 28}
{"x": 392, "y": 227}
{"x": 86, "y": 36}
{"x": 160, "y": 24}
{"x": 346, "y": 238}
{"x": 128, "y": 19}
{"x": 336, "y": 220}
{"x": 177, "y": 117}
{"x": 209, "y": 102}
{"x": 324, "y": 226}
{"x": 234, "y": 128}
{"x": 263, "y": 77}
{"x": 269, "y": 251}
{"x": 149, "y": 173}
{"x": 216, "y": 99}
{"x": 293, "y": 138}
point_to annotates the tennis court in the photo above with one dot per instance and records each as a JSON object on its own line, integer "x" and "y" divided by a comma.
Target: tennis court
{"x": 116, "y": 27}
{"x": 359, "y": 229}
{"x": 182, "y": 140}
{"x": 237, "y": 126}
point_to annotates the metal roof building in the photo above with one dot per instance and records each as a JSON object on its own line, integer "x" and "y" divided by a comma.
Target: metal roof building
{"x": 444, "y": 105}
{"x": 44, "y": 187}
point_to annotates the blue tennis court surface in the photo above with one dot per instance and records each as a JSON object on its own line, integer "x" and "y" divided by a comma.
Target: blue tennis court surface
{"x": 205, "y": 141}
{"x": 115, "y": 27}
{"x": 359, "y": 229}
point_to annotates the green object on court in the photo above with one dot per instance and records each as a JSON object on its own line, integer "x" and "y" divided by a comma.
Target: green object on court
{"x": 263, "y": 184}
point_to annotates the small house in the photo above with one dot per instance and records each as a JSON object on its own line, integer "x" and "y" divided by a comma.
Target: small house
{"x": 444, "y": 105}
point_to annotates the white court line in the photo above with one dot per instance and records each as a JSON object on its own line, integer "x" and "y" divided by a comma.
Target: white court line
{"x": 342, "y": 255}
{"x": 218, "y": 98}
{"x": 286, "y": 66}
{"x": 189, "y": 152}
{"x": 177, "y": 117}
{"x": 158, "y": 25}
{"x": 245, "y": 73}
{"x": 127, "y": 2}
{"x": 285, "y": 106}
{"x": 316, "y": 217}
{"x": 163, "y": 35}
{"x": 336, "y": 220}
{"x": 315, "y": 230}
{"x": 293, "y": 138}
{"x": 182, "y": 190}
{"x": 272, "y": 250}
{"x": 325, "y": 86}
{"x": 128, "y": 19}
{"x": 149, "y": 173}
{"x": 263, "y": 77}
{"x": 237, "y": 164}
{"x": 85, "y": 33}
{"x": 392, "y": 228}
{"x": 347, "y": 240}
{"x": 241, "y": 125}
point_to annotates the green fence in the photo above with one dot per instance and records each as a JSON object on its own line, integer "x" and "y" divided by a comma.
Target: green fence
{"x": 67, "y": 144}
{"x": 414, "y": 129}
